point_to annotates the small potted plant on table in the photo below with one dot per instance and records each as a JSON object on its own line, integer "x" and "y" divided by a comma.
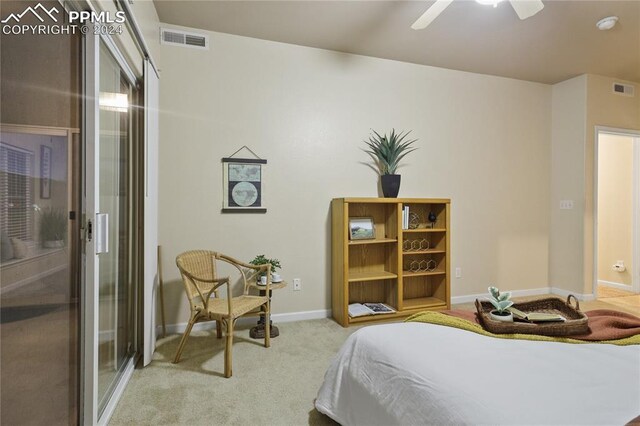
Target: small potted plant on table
{"x": 275, "y": 264}
{"x": 501, "y": 303}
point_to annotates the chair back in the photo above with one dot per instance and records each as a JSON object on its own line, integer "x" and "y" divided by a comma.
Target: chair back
{"x": 198, "y": 270}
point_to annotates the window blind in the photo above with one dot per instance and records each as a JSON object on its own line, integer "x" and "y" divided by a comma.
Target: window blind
{"x": 16, "y": 198}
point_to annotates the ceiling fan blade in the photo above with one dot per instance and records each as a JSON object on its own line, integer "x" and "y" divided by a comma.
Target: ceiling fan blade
{"x": 431, "y": 14}
{"x": 526, "y": 8}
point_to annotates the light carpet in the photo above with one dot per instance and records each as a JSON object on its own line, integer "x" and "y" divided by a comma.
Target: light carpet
{"x": 274, "y": 386}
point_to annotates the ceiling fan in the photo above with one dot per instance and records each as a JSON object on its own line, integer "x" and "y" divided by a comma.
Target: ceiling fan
{"x": 524, "y": 9}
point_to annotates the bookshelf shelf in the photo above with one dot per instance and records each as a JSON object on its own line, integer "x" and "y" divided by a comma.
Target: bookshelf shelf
{"x": 355, "y": 277}
{"x": 375, "y": 241}
{"x": 408, "y": 274}
{"x": 416, "y": 252}
{"x": 424, "y": 302}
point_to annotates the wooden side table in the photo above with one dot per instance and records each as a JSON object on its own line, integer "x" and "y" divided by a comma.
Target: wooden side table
{"x": 257, "y": 332}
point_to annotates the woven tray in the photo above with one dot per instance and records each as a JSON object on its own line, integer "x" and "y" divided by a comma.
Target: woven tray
{"x": 576, "y": 322}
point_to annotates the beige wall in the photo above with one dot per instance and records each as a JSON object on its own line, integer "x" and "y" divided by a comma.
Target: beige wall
{"x": 567, "y": 171}
{"x": 579, "y": 105}
{"x": 615, "y": 207}
{"x": 484, "y": 142}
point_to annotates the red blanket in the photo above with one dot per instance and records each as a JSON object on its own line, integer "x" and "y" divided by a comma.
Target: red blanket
{"x": 604, "y": 324}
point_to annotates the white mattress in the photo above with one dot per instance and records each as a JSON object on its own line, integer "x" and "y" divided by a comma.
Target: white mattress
{"x": 417, "y": 373}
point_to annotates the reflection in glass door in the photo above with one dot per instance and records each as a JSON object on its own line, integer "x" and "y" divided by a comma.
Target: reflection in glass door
{"x": 39, "y": 304}
{"x": 40, "y": 94}
{"x": 117, "y": 273}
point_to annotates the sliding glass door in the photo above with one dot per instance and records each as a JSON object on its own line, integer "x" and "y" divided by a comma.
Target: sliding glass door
{"x": 69, "y": 221}
{"x": 111, "y": 208}
{"x": 115, "y": 202}
{"x": 40, "y": 134}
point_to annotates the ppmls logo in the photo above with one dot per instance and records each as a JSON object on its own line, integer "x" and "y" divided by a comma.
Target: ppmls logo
{"x": 34, "y": 12}
{"x": 82, "y": 21}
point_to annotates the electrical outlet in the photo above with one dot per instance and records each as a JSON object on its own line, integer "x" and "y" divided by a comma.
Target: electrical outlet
{"x": 297, "y": 284}
{"x": 458, "y": 272}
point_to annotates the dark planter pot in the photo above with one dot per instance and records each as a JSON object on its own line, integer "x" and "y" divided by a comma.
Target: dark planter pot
{"x": 390, "y": 185}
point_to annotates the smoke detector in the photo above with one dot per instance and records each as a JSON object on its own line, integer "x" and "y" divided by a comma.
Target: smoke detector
{"x": 607, "y": 23}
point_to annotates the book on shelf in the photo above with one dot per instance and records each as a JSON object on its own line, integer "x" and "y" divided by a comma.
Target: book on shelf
{"x": 361, "y": 309}
{"x": 535, "y": 316}
{"x": 405, "y": 217}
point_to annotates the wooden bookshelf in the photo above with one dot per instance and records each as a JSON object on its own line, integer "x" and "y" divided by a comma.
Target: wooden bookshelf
{"x": 378, "y": 270}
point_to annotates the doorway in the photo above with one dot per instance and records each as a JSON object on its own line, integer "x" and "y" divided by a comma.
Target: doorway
{"x": 617, "y": 211}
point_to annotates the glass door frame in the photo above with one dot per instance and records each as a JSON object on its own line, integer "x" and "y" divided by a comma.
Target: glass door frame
{"x": 90, "y": 207}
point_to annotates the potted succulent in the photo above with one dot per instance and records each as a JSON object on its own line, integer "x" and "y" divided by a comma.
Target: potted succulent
{"x": 387, "y": 151}
{"x": 53, "y": 227}
{"x": 275, "y": 264}
{"x": 501, "y": 303}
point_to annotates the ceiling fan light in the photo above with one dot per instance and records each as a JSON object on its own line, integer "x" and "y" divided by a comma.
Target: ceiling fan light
{"x": 493, "y": 3}
{"x": 607, "y": 23}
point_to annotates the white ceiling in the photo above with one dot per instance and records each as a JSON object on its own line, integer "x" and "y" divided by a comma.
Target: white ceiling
{"x": 558, "y": 43}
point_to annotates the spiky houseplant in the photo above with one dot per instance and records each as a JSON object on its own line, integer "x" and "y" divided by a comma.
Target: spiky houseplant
{"x": 387, "y": 151}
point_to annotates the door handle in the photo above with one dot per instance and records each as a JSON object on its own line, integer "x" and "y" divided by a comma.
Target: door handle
{"x": 101, "y": 232}
{"x": 89, "y": 230}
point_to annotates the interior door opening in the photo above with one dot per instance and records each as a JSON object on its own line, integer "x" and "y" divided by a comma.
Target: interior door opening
{"x": 617, "y": 244}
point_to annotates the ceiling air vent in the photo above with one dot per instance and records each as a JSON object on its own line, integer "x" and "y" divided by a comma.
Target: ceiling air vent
{"x": 181, "y": 38}
{"x": 623, "y": 89}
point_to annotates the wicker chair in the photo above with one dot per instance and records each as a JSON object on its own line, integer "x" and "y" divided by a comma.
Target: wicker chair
{"x": 198, "y": 270}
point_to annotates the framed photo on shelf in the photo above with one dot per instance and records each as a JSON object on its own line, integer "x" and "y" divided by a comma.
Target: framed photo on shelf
{"x": 361, "y": 228}
{"x": 45, "y": 172}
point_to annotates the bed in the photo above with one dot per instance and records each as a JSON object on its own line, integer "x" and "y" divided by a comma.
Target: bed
{"x": 417, "y": 373}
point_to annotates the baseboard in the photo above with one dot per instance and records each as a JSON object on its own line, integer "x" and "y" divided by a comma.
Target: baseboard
{"x": 276, "y": 318}
{"x": 562, "y": 292}
{"x": 117, "y": 393}
{"x": 520, "y": 293}
{"x": 302, "y": 316}
{"x": 615, "y": 285}
{"x": 515, "y": 293}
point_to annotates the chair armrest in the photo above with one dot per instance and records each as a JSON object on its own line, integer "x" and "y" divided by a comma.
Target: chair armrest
{"x": 204, "y": 280}
{"x": 264, "y": 267}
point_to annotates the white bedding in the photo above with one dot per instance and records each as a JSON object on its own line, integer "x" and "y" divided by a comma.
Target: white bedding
{"x": 417, "y": 373}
